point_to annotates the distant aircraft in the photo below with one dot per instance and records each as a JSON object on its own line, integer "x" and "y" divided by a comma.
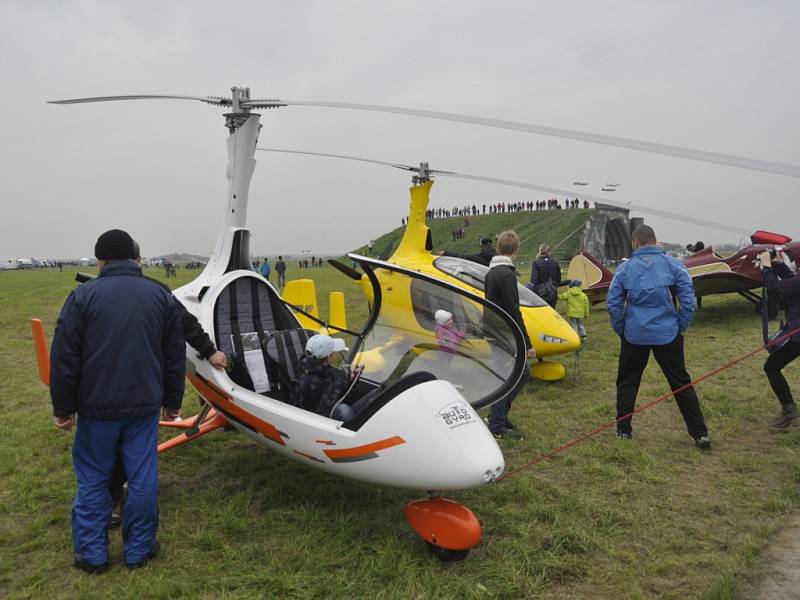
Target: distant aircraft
{"x": 580, "y": 183}
{"x": 606, "y": 188}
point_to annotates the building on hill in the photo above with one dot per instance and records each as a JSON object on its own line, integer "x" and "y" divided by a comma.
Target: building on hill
{"x": 607, "y": 234}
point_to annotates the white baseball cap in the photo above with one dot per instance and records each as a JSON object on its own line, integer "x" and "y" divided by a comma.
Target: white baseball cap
{"x": 442, "y": 316}
{"x": 322, "y": 345}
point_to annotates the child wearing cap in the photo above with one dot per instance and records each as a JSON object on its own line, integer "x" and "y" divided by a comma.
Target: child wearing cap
{"x": 321, "y": 385}
{"x": 577, "y": 306}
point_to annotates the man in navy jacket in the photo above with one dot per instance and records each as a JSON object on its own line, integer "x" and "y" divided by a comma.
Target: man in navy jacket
{"x": 117, "y": 358}
{"x": 778, "y": 278}
{"x": 650, "y": 283}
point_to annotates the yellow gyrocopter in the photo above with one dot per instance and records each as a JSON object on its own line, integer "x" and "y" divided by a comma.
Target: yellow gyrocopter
{"x": 549, "y": 332}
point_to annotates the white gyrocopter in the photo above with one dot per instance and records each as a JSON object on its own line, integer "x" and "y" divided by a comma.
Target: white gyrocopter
{"x": 418, "y": 431}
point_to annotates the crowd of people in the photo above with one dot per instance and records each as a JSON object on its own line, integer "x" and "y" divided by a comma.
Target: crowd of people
{"x": 651, "y": 303}
{"x": 503, "y": 207}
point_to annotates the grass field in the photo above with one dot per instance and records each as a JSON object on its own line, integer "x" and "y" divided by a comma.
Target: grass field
{"x": 649, "y": 518}
{"x": 551, "y": 227}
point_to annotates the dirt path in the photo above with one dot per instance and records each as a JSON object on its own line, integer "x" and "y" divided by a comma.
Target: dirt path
{"x": 781, "y": 579}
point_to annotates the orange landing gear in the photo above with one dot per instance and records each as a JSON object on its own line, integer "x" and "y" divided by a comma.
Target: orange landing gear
{"x": 449, "y": 528}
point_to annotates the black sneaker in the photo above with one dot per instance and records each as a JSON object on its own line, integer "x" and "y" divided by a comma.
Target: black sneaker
{"x": 703, "y": 442}
{"x": 87, "y": 567}
{"x": 150, "y": 556}
{"x": 784, "y": 421}
{"x": 625, "y": 436}
{"x": 508, "y": 434}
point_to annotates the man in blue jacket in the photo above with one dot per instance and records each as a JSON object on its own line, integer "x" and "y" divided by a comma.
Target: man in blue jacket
{"x": 651, "y": 283}
{"x": 117, "y": 358}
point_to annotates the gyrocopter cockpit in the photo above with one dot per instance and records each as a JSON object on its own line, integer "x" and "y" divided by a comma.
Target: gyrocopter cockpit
{"x": 474, "y": 274}
{"x": 479, "y": 348}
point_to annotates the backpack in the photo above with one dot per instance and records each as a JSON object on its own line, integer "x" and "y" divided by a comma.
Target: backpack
{"x": 546, "y": 291}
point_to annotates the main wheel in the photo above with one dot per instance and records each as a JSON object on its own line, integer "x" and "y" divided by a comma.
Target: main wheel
{"x": 446, "y": 555}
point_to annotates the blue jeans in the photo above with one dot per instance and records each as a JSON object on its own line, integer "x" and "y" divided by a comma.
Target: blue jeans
{"x": 346, "y": 412}
{"x": 498, "y": 414}
{"x": 94, "y": 453}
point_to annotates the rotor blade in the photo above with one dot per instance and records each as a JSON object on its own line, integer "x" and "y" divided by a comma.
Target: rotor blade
{"x": 644, "y": 209}
{"x": 358, "y": 158}
{"x": 207, "y": 99}
{"x": 350, "y": 272}
{"x": 366, "y": 160}
{"x": 594, "y": 138}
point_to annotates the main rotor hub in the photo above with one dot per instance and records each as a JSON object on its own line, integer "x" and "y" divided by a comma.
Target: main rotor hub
{"x": 423, "y": 174}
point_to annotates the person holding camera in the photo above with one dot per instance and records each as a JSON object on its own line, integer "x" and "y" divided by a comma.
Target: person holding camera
{"x": 778, "y": 278}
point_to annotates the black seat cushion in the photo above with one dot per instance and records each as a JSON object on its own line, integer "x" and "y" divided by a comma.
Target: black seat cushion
{"x": 285, "y": 349}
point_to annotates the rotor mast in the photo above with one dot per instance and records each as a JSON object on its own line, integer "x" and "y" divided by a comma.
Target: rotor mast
{"x": 232, "y": 249}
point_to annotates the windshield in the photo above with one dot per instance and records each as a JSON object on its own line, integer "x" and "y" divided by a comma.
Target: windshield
{"x": 474, "y": 274}
{"x": 479, "y": 349}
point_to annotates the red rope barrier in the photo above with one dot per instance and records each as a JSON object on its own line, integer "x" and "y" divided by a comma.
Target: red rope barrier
{"x": 647, "y": 406}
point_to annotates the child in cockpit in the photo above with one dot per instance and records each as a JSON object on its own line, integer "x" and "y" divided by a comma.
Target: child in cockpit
{"x": 447, "y": 334}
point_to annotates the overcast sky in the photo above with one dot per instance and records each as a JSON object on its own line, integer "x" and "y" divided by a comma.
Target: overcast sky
{"x": 719, "y": 76}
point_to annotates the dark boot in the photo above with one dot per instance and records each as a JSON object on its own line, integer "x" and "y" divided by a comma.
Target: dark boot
{"x": 788, "y": 416}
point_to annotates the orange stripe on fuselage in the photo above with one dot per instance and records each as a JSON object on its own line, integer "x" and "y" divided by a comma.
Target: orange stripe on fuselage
{"x": 365, "y": 449}
{"x": 220, "y": 399}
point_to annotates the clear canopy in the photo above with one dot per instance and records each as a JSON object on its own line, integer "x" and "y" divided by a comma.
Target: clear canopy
{"x": 474, "y": 274}
{"x": 481, "y": 351}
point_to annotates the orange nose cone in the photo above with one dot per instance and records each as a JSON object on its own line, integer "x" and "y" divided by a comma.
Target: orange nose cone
{"x": 444, "y": 523}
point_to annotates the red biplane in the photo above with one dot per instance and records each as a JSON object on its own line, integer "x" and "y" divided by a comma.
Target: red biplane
{"x": 711, "y": 273}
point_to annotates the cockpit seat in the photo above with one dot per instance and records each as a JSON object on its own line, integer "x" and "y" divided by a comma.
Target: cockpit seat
{"x": 285, "y": 349}
{"x": 248, "y": 311}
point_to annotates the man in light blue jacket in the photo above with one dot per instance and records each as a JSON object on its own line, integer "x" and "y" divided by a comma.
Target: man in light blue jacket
{"x": 660, "y": 303}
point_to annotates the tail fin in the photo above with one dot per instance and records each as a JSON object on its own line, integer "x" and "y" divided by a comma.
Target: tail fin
{"x": 42, "y": 356}
{"x": 595, "y": 278}
{"x": 338, "y": 314}
{"x": 303, "y": 293}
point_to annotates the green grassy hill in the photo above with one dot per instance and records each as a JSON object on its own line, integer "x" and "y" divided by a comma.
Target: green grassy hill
{"x": 534, "y": 228}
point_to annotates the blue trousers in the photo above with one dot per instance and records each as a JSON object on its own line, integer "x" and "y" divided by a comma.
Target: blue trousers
{"x": 94, "y": 453}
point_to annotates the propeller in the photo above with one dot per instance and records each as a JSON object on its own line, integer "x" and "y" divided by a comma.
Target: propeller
{"x": 539, "y": 188}
{"x": 240, "y": 101}
{"x": 350, "y": 272}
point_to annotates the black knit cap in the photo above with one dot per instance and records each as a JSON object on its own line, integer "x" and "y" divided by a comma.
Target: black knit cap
{"x": 115, "y": 244}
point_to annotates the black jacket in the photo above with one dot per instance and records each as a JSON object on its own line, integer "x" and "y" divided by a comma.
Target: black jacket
{"x": 319, "y": 386}
{"x": 780, "y": 278}
{"x": 501, "y": 288}
{"x": 193, "y": 333}
{"x": 545, "y": 268}
{"x": 118, "y": 351}
{"x": 483, "y": 257}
